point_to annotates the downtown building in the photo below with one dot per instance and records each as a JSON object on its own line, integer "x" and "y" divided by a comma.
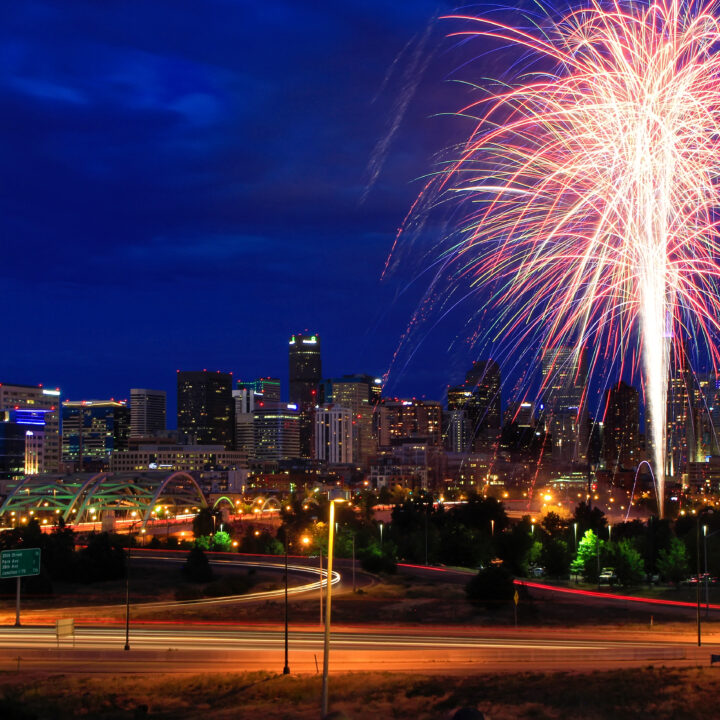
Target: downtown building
{"x": 92, "y": 431}
{"x": 621, "y": 428}
{"x": 267, "y": 388}
{"x": 399, "y": 420}
{"x": 205, "y": 408}
{"x": 148, "y": 412}
{"x": 305, "y": 371}
{"x": 276, "y": 432}
{"x": 565, "y": 412}
{"x": 474, "y": 420}
{"x": 334, "y": 434}
{"x": 45, "y": 453}
{"x": 173, "y": 458}
{"x": 360, "y": 394}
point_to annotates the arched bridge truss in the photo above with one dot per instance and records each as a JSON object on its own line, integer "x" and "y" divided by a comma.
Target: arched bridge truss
{"x": 84, "y": 497}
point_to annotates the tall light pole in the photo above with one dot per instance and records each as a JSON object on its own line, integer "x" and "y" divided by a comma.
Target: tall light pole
{"x": 326, "y": 649}
{"x": 127, "y": 599}
{"x": 707, "y": 589}
{"x": 286, "y": 669}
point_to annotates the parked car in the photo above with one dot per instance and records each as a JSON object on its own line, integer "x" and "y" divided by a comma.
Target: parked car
{"x": 703, "y": 577}
{"x": 537, "y": 572}
{"x": 607, "y": 576}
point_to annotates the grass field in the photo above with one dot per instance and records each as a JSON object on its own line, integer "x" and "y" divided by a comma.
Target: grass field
{"x": 657, "y": 692}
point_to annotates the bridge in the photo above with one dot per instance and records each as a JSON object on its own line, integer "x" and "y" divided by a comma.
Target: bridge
{"x": 80, "y": 498}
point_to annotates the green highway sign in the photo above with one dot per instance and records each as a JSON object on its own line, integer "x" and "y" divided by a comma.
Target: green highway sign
{"x": 19, "y": 563}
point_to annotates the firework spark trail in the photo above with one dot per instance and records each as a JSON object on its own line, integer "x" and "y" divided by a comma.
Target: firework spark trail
{"x": 592, "y": 188}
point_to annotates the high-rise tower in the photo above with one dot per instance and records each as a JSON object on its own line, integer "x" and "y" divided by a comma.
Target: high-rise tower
{"x": 564, "y": 373}
{"x": 622, "y": 427}
{"x": 147, "y": 412}
{"x": 305, "y": 373}
{"x": 205, "y": 408}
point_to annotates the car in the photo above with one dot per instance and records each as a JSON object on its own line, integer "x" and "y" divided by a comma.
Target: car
{"x": 537, "y": 572}
{"x": 607, "y": 576}
{"x": 704, "y": 577}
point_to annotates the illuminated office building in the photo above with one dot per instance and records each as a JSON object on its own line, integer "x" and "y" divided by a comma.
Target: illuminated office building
{"x": 276, "y": 432}
{"x": 621, "y": 436}
{"x": 564, "y": 376}
{"x": 92, "y": 431}
{"x": 305, "y": 370}
{"x": 360, "y": 394}
{"x": 268, "y": 387}
{"x": 147, "y": 412}
{"x": 334, "y": 434}
{"x": 205, "y": 410}
{"x": 397, "y": 420}
{"x": 37, "y": 397}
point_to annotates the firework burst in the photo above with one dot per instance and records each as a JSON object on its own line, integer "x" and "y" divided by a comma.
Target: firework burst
{"x": 590, "y": 187}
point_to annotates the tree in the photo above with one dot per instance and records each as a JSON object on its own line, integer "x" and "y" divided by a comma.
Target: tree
{"x": 589, "y": 518}
{"x": 673, "y": 562}
{"x": 197, "y": 568}
{"x": 221, "y": 541}
{"x": 553, "y": 524}
{"x": 492, "y": 587}
{"x": 203, "y": 523}
{"x": 103, "y": 558}
{"x": 515, "y": 546}
{"x": 556, "y": 556}
{"x": 627, "y": 562}
{"x": 586, "y": 560}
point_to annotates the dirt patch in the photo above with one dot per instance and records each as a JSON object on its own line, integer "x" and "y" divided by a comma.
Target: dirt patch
{"x": 663, "y": 693}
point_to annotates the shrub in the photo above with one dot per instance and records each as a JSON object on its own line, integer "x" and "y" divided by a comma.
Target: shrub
{"x": 373, "y": 560}
{"x": 197, "y": 568}
{"x": 492, "y": 587}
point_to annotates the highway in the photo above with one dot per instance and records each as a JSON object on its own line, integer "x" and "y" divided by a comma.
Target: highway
{"x": 182, "y": 648}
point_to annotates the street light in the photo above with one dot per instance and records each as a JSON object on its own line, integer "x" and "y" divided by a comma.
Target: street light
{"x": 286, "y": 669}
{"x": 697, "y": 558}
{"x": 707, "y": 589}
{"x": 326, "y": 648}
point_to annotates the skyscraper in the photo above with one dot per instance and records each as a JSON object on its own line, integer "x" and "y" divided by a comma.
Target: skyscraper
{"x": 398, "y": 420}
{"x": 682, "y": 412}
{"x": 147, "y": 412}
{"x": 277, "y": 431}
{"x": 305, "y": 373}
{"x": 360, "y": 394}
{"x": 92, "y": 431}
{"x": 334, "y": 434}
{"x": 475, "y": 419}
{"x": 621, "y": 427}
{"x": 205, "y": 408}
{"x": 36, "y": 397}
{"x": 564, "y": 375}
{"x": 268, "y": 387}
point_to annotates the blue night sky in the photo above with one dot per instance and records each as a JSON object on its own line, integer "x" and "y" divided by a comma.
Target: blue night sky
{"x": 188, "y": 183}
